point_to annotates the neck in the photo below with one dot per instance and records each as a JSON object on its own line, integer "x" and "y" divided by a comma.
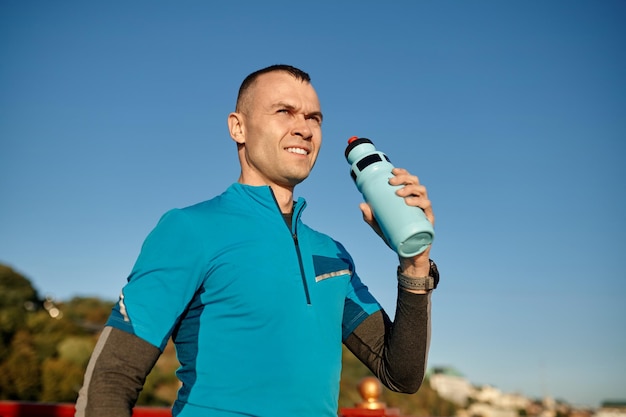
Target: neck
{"x": 284, "y": 198}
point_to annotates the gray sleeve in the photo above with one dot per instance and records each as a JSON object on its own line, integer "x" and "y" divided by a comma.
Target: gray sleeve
{"x": 115, "y": 374}
{"x": 396, "y": 352}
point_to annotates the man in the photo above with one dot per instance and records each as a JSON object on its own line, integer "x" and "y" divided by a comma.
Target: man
{"x": 257, "y": 303}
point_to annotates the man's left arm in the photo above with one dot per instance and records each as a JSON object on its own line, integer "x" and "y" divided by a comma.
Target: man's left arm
{"x": 397, "y": 352}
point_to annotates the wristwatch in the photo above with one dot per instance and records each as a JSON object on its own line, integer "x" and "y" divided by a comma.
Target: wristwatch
{"x": 420, "y": 283}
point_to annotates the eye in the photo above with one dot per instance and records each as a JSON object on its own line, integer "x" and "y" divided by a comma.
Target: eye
{"x": 316, "y": 118}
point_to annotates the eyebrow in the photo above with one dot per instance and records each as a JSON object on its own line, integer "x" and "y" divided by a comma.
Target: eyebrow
{"x": 282, "y": 104}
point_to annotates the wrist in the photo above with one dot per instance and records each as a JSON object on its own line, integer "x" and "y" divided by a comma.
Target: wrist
{"x": 418, "y": 266}
{"x": 416, "y": 280}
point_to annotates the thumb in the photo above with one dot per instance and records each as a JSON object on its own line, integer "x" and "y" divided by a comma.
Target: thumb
{"x": 368, "y": 215}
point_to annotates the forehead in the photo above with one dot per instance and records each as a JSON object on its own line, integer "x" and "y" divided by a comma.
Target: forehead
{"x": 278, "y": 86}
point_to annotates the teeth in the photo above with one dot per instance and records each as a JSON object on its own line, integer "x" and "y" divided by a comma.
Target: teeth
{"x": 297, "y": 150}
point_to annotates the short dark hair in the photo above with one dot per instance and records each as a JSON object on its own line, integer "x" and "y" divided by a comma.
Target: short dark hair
{"x": 297, "y": 73}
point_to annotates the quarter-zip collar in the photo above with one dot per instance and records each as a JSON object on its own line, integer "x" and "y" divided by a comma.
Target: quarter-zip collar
{"x": 264, "y": 196}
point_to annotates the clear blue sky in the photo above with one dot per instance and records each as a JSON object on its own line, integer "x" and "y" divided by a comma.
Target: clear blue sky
{"x": 512, "y": 113}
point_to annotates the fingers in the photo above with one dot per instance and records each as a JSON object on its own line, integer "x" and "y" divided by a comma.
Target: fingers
{"x": 414, "y": 193}
{"x": 402, "y": 176}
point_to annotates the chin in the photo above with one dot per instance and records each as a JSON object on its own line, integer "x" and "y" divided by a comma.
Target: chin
{"x": 296, "y": 180}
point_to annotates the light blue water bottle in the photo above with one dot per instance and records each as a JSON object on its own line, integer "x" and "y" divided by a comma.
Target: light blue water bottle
{"x": 405, "y": 228}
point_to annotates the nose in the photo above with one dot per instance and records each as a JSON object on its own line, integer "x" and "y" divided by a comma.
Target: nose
{"x": 302, "y": 128}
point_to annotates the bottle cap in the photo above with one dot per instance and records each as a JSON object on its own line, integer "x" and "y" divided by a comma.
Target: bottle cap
{"x": 355, "y": 141}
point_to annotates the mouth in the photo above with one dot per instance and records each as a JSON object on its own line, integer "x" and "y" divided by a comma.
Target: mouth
{"x": 299, "y": 151}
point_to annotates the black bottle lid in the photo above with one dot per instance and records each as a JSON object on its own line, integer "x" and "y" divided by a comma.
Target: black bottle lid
{"x": 355, "y": 141}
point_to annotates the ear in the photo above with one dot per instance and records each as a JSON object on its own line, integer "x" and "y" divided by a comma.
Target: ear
{"x": 236, "y": 127}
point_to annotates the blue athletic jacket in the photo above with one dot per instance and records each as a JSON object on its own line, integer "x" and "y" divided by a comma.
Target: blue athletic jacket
{"x": 257, "y": 311}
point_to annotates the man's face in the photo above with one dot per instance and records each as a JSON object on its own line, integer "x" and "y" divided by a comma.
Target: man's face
{"x": 281, "y": 131}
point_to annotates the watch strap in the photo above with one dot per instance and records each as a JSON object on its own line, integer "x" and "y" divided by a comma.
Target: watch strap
{"x": 427, "y": 283}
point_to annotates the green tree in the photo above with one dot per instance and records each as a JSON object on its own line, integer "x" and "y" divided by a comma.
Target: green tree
{"x": 44, "y": 344}
{"x": 17, "y": 297}
{"x": 61, "y": 380}
{"x": 62, "y": 374}
{"x": 19, "y": 372}
{"x": 76, "y": 350}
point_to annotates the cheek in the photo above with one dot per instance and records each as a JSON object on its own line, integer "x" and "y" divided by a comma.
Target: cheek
{"x": 318, "y": 140}
{"x": 260, "y": 152}
{"x": 317, "y": 151}
{"x": 256, "y": 151}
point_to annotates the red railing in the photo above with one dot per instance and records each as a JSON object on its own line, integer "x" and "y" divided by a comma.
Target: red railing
{"x": 27, "y": 409}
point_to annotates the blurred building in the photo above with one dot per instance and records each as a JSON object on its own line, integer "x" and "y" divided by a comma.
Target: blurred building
{"x": 451, "y": 385}
{"x": 612, "y": 409}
